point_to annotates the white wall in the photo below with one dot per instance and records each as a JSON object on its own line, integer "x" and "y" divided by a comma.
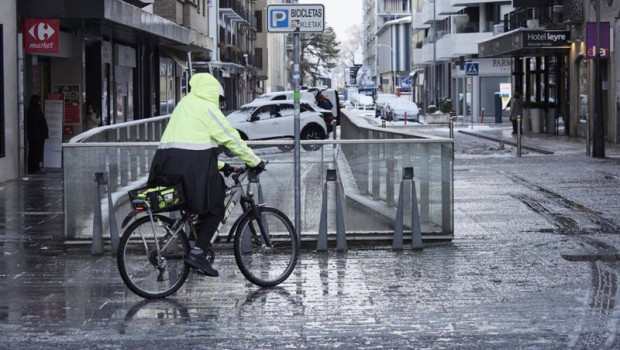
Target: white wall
{"x": 9, "y": 164}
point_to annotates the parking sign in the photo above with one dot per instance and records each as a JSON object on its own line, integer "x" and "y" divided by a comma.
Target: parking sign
{"x": 293, "y": 18}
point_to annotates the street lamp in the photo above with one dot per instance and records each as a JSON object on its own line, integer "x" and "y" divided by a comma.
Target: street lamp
{"x": 392, "y": 65}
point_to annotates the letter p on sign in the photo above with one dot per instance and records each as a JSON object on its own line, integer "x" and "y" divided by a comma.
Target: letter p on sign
{"x": 279, "y": 18}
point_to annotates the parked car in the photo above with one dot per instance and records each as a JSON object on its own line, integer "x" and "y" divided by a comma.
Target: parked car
{"x": 328, "y": 116}
{"x": 363, "y": 102}
{"x": 380, "y": 102}
{"x": 399, "y": 108}
{"x": 269, "y": 120}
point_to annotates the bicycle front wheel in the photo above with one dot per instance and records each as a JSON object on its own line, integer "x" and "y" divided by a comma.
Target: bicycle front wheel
{"x": 266, "y": 263}
{"x": 146, "y": 272}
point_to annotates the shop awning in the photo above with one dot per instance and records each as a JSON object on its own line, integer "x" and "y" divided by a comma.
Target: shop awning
{"x": 120, "y": 15}
{"x": 525, "y": 42}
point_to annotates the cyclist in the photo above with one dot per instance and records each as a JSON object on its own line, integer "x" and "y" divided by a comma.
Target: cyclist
{"x": 187, "y": 154}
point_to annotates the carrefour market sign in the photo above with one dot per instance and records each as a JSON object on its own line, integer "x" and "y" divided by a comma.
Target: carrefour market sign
{"x": 295, "y": 18}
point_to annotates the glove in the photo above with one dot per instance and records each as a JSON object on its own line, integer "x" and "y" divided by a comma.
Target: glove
{"x": 227, "y": 169}
{"x": 259, "y": 168}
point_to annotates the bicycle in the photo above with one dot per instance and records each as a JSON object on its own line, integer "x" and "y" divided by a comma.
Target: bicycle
{"x": 152, "y": 250}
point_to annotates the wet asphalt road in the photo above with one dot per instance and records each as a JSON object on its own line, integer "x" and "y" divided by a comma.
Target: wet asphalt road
{"x": 534, "y": 265}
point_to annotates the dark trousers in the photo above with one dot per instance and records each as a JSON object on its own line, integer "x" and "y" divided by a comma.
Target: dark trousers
{"x": 35, "y": 155}
{"x": 515, "y": 126}
{"x": 206, "y": 229}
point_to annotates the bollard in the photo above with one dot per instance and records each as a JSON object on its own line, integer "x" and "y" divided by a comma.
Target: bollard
{"x": 518, "y": 136}
{"x": 114, "y": 237}
{"x": 482, "y": 116}
{"x": 97, "y": 240}
{"x": 451, "y": 126}
{"x": 341, "y": 241}
{"x": 416, "y": 231}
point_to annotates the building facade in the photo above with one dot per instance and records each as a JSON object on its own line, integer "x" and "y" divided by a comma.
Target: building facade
{"x": 445, "y": 33}
{"x": 386, "y": 26}
{"x": 119, "y": 56}
{"x": 554, "y": 49}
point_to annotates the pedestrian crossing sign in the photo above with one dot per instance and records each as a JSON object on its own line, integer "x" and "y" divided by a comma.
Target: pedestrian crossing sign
{"x": 471, "y": 68}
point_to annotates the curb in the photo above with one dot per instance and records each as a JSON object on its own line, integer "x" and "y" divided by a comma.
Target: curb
{"x": 512, "y": 143}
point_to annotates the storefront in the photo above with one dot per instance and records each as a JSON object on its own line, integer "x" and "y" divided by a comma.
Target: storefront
{"x": 126, "y": 62}
{"x": 539, "y": 74}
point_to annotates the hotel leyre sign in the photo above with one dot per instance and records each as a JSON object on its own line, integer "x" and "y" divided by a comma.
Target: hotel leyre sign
{"x": 41, "y": 35}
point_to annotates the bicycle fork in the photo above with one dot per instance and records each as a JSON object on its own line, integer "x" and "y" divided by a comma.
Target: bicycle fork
{"x": 262, "y": 225}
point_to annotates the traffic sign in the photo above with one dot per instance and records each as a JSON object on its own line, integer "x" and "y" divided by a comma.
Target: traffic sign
{"x": 471, "y": 68}
{"x": 295, "y": 18}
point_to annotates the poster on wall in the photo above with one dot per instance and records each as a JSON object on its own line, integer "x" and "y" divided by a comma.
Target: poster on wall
{"x": 71, "y": 93}
{"x": 54, "y": 112}
{"x": 505, "y": 92}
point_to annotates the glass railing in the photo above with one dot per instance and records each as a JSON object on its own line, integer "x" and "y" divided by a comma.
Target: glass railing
{"x": 369, "y": 162}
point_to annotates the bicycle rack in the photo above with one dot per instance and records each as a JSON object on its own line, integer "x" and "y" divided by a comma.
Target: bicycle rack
{"x": 97, "y": 240}
{"x": 416, "y": 231}
{"x": 341, "y": 240}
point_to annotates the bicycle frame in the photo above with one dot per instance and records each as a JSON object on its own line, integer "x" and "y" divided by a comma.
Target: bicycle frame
{"x": 234, "y": 195}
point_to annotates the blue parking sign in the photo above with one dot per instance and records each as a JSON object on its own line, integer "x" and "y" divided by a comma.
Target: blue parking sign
{"x": 278, "y": 18}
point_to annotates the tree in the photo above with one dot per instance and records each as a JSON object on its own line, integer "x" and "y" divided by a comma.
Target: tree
{"x": 318, "y": 55}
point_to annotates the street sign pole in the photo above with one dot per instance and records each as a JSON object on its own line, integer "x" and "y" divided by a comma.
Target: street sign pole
{"x": 296, "y": 19}
{"x": 296, "y": 124}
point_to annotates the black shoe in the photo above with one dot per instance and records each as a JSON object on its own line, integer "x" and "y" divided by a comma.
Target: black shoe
{"x": 199, "y": 261}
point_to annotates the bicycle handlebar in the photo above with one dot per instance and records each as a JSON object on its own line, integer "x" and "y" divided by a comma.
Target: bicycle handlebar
{"x": 242, "y": 170}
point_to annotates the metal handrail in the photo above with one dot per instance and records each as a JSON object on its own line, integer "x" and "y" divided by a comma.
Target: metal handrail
{"x": 139, "y": 128}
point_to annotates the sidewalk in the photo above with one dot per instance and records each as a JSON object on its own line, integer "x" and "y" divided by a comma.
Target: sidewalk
{"x": 535, "y": 264}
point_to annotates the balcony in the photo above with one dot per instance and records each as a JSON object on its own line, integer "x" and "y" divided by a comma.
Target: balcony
{"x": 234, "y": 10}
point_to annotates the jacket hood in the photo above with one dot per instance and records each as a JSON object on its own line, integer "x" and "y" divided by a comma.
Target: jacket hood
{"x": 205, "y": 86}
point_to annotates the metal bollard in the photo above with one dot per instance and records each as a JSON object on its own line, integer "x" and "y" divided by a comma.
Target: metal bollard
{"x": 97, "y": 240}
{"x": 341, "y": 240}
{"x": 451, "y": 126}
{"x": 518, "y": 136}
{"x": 416, "y": 231}
{"x": 114, "y": 237}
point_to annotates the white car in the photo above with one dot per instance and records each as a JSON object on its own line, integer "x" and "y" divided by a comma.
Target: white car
{"x": 275, "y": 119}
{"x": 398, "y": 109}
{"x": 363, "y": 102}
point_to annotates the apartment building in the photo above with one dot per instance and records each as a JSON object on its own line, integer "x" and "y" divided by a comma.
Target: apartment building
{"x": 387, "y": 47}
{"x": 444, "y": 36}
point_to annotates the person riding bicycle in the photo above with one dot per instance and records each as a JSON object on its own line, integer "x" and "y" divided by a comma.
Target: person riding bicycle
{"x": 188, "y": 154}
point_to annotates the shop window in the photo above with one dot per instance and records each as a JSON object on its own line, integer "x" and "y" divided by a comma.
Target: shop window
{"x": 582, "y": 74}
{"x": 166, "y": 86}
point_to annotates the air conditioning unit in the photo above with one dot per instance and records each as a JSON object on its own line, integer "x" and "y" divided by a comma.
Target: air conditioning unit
{"x": 498, "y": 29}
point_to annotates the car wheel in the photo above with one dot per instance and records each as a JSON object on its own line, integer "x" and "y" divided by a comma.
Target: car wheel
{"x": 312, "y": 132}
{"x": 286, "y": 148}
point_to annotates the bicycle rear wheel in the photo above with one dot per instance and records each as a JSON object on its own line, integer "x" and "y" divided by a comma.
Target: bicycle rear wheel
{"x": 146, "y": 273}
{"x": 262, "y": 264}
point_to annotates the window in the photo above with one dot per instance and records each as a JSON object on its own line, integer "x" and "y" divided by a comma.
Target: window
{"x": 258, "y": 57}
{"x": 259, "y": 21}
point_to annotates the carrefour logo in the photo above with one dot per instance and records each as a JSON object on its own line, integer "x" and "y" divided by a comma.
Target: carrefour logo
{"x": 279, "y": 18}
